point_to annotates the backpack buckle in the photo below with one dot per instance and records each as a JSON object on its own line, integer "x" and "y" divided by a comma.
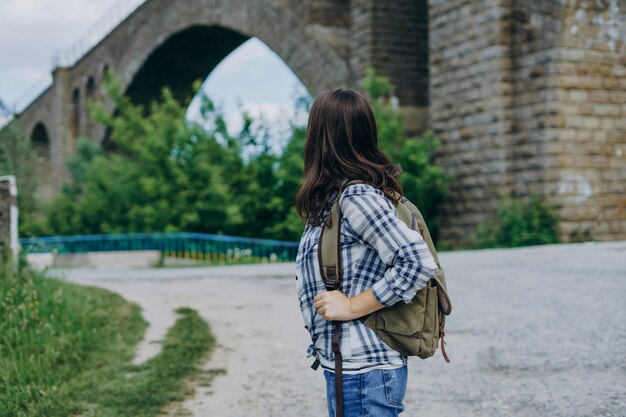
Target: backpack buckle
{"x": 331, "y": 278}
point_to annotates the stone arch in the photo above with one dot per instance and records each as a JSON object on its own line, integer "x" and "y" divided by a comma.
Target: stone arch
{"x": 185, "y": 56}
{"x": 315, "y": 48}
{"x": 90, "y": 87}
{"x": 40, "y": 141}
{"x": 318, "y": 59}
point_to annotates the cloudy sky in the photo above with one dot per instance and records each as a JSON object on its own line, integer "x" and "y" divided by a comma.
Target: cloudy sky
{"x": 31, "y": 31}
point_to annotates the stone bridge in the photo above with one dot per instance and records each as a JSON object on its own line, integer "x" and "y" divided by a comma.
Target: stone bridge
{"x": 526, "y": 96}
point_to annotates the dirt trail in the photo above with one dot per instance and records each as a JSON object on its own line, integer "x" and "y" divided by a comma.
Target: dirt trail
{"x": 534, "y": 332}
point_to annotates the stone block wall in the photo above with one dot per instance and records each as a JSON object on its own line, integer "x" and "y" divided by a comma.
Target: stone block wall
{"x": 587, "y": 178}
{"x": 569, "y": 136}
{"x": 528, "y": 97}
{"x": 470, "y": 106}
{"x": 534, "y": 29}
{"x": 329, "y": 13}
{"x": 392, "y": 37}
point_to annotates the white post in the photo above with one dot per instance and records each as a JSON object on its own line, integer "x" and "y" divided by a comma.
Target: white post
{"x": 13, "y": 215}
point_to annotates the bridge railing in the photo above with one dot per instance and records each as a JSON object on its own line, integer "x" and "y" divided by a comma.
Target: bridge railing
{"x": 209, "y": 248}
{"x": 96, "y": 32}
{"x": 114, "y": 15}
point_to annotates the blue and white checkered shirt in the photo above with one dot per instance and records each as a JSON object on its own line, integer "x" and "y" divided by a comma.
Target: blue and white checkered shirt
{"x": 378, "y": 250}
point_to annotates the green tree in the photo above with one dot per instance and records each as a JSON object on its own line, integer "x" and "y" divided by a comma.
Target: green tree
{"x": 166, "y": 173}
{"x": 391, "y": 129}
{"x": 424, "y": 182}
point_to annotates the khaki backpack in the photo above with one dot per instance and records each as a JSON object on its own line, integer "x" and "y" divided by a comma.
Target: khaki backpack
{"x": 412, "y": 329}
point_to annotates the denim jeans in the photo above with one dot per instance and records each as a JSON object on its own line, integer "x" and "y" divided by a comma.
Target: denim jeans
{"x": 376, "y": 393}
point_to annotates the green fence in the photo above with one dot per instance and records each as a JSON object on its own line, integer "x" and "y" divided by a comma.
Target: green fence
{"x": 210, "y": 248}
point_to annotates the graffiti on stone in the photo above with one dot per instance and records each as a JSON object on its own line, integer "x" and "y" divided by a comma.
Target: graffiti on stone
{"x": 608, "y": 19}
{"x": 575, "y": 189}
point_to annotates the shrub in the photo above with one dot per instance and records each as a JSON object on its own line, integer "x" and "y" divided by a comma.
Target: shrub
{"x": 519, "y": 222}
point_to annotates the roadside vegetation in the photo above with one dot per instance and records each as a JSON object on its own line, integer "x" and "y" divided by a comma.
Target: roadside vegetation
{"x": 159, "y": 172}
{"x": 66, "y": 350}
{"x": 520, "y": 222}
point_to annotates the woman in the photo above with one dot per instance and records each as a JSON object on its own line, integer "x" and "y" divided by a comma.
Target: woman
{"x": 384, "y": 261}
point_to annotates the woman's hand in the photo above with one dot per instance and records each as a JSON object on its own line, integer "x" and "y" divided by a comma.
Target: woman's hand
{"x": 333, "y": 305}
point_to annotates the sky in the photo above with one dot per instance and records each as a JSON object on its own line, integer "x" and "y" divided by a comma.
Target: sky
{"x": 252, "y": 78}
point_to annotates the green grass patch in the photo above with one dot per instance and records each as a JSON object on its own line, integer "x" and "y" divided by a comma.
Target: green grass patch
{"x": 66, "y": 349}
{"x": 146, "y": 388}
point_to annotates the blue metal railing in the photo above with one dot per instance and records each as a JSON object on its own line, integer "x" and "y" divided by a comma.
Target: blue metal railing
{"x": 113, "y": 16}
{"x": 211, "y": 248}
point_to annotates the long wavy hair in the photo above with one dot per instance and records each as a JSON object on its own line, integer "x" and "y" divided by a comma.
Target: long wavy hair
{"x": 341, "y": 142}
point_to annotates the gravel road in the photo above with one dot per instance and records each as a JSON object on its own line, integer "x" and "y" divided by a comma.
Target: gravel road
{"x": 538, "y": 331}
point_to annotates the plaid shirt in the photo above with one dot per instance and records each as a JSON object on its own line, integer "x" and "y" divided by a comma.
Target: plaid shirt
{"x": 379, "y": 251}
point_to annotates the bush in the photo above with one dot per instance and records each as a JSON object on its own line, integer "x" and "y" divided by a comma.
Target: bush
{"x": 424, "y": 182}
{"x": 165, "y": 174}
{"x": 521, "y": 222}
{"x": 162, "y": 173}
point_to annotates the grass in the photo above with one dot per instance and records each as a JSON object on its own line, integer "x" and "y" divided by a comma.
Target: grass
{"x": 66, "y": 350}
{"x": 146, "y": 388}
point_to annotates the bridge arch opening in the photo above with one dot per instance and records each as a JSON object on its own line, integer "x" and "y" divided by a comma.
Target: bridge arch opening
{"x": 184, "y": 57}
{"x": 105, "y": 69}
{"x": 90, "y": 95}
{"x": 40, "y": 141}
{"x": 75, "y": 115}
{"x": 195, "y": 52}
{"x": 90, "y": 87}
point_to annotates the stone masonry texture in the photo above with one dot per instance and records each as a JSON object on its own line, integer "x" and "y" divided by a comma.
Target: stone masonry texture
{"x": 525, "y": 96}
{"x": 529, "y": 96}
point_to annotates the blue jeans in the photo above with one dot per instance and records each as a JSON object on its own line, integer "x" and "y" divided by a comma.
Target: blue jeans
{"x": 376, "y": 393}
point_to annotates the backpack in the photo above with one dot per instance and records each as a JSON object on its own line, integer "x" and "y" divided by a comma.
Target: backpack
{"x": 412, "y": 329}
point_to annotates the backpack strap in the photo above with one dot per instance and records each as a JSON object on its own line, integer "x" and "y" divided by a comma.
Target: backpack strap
{"x": 328, "y": 253}
{"x": 329, "y": 258}
{"x": 329, "y": 245}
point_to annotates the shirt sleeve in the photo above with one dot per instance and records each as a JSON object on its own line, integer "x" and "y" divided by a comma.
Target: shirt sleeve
{"x": 371, "y": 217}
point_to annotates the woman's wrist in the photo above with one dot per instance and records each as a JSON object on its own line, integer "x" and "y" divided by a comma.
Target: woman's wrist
{"x": 363, "y": 304}
{"x": 352, "y": 315}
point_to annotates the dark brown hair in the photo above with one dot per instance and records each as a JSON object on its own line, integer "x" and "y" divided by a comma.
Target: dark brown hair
{"x": 341, "y": 142}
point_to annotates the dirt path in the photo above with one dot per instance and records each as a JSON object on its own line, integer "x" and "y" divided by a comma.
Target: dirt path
{"x": 534, "y": 332}
{"x": 255, "y": 317}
